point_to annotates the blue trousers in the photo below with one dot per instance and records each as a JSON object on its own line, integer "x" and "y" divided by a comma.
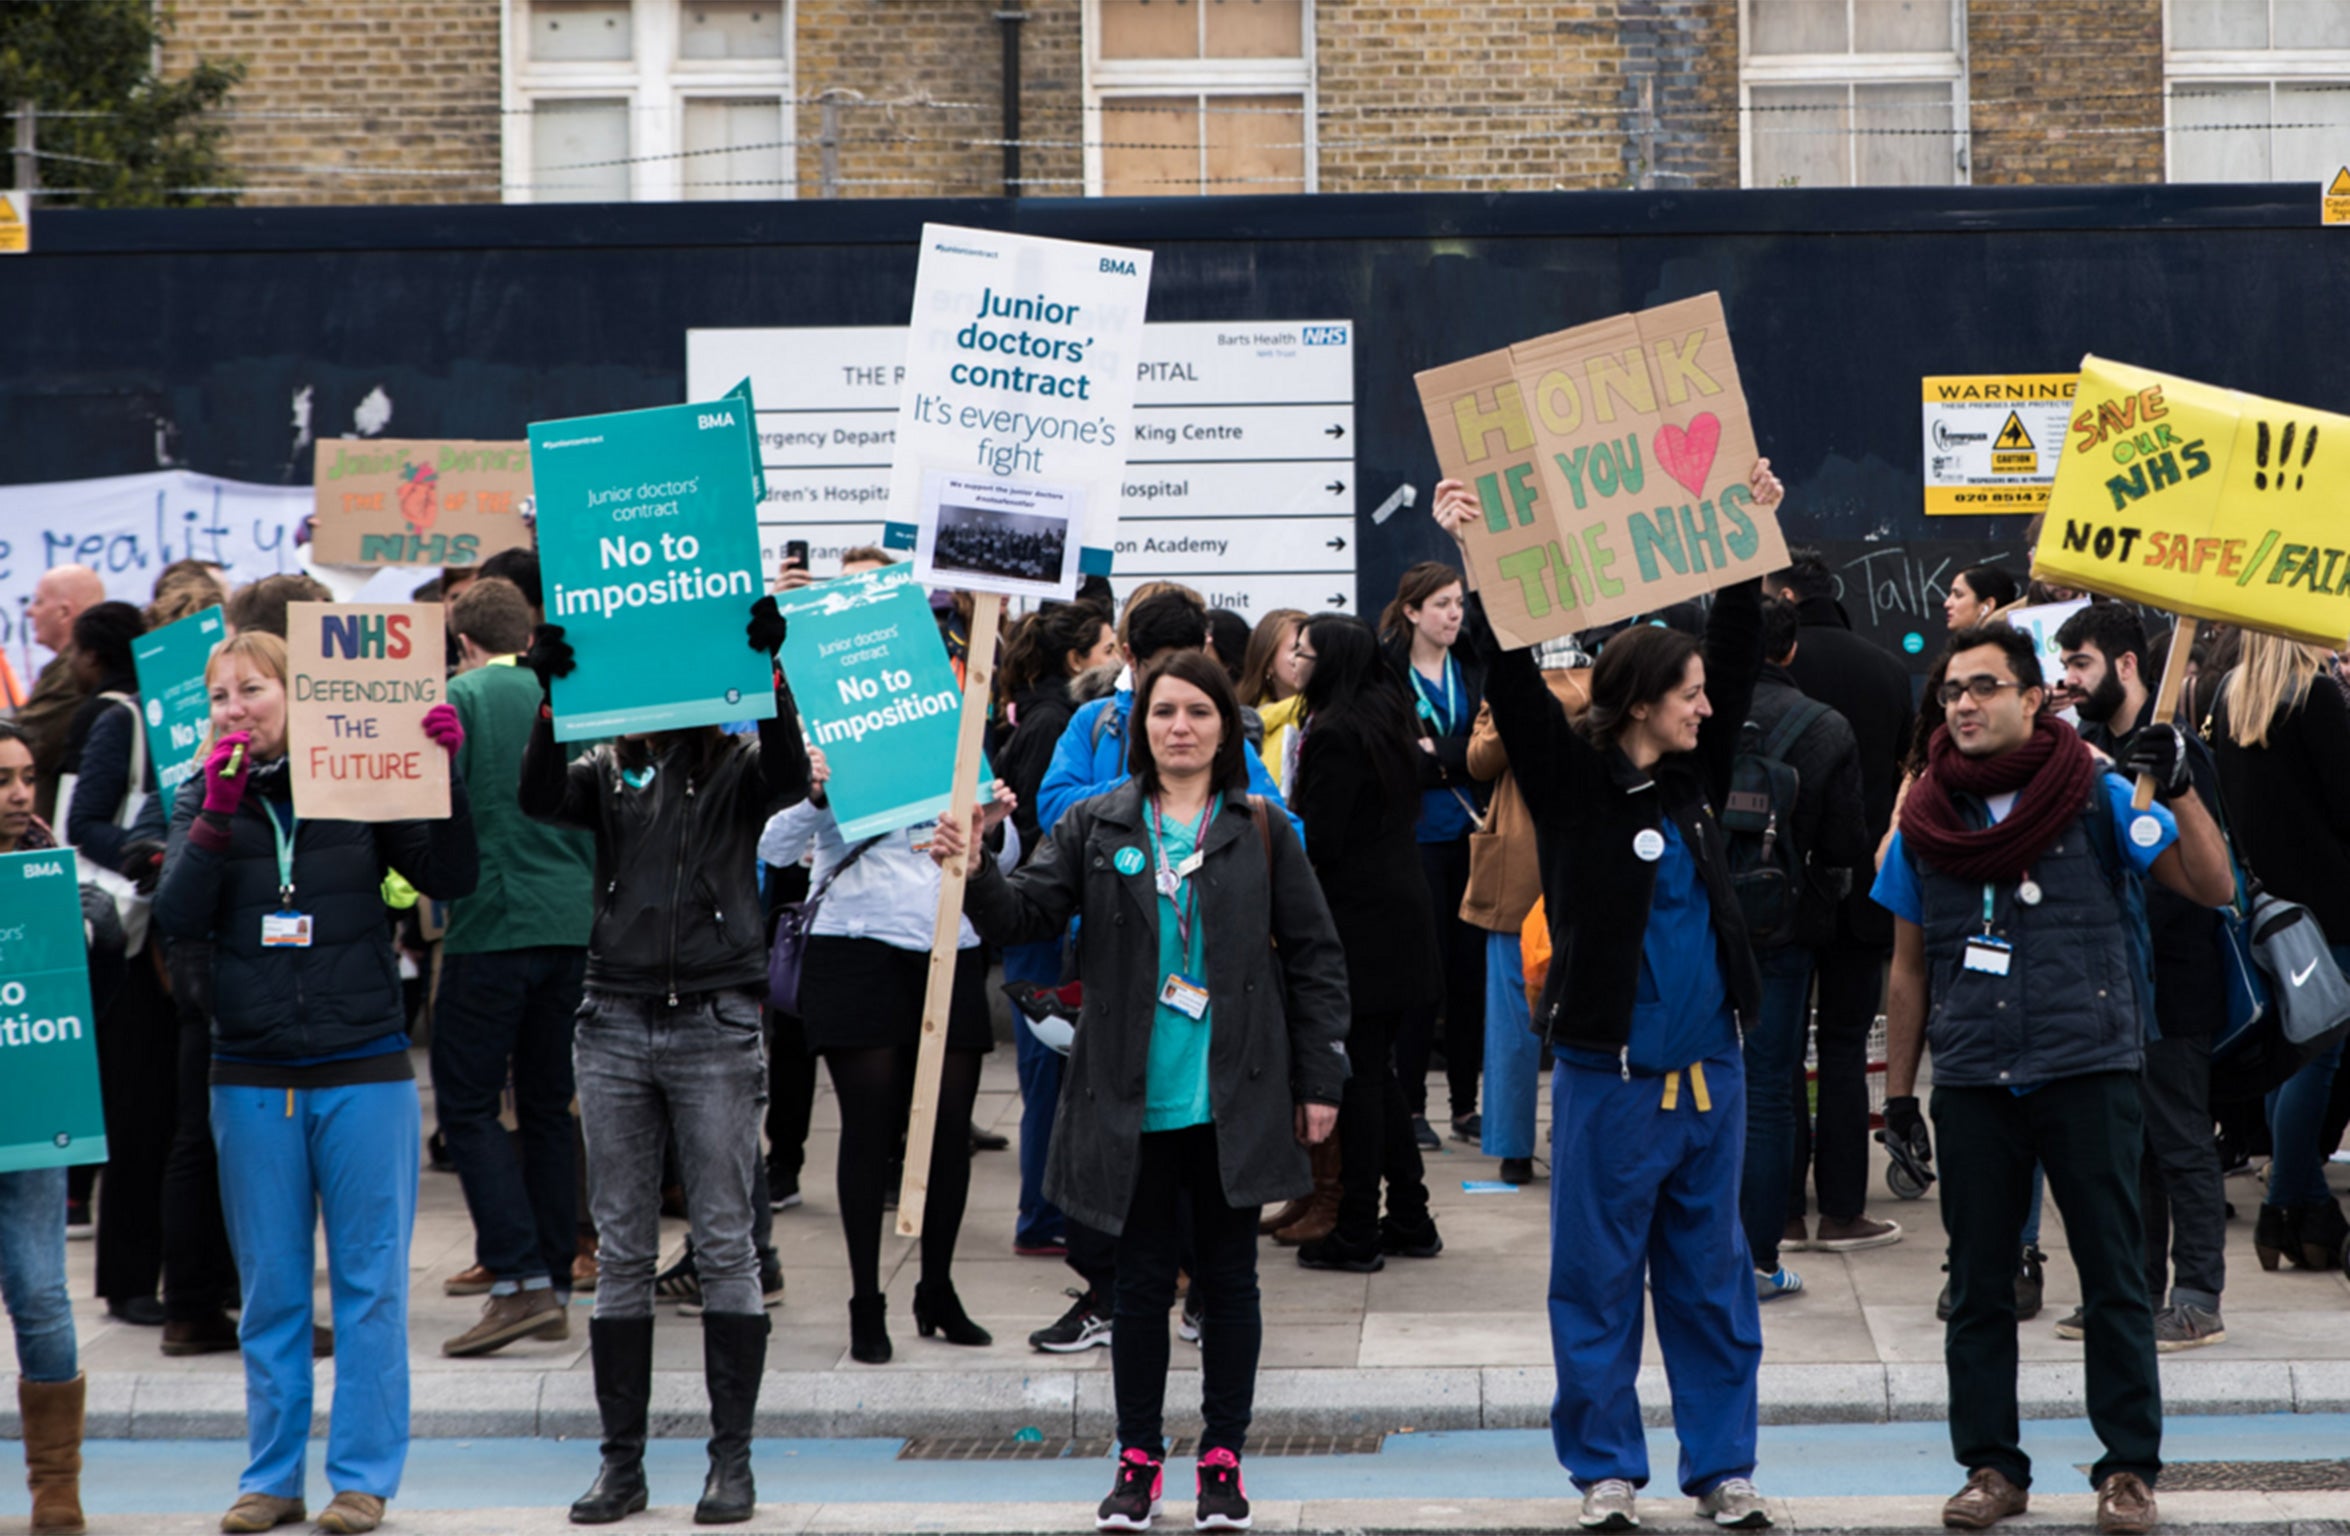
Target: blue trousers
{"x": 2296, "y": 1117}
{"x": 1774, "y": 1061}
{"x": 32, "y": 1273}
{"x": 288, "y": 1157}
{"x": 1639, "y": 1191}
{"x": 1513, "y": 1053}
{"x": 1040, "y": 1221}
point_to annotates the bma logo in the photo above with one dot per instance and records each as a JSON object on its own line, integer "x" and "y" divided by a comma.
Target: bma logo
{"x": 1325, "y": 335}
{"x": 1113, "y": 264}
{"x": 717, "y": 419}
{"x": 40, "y": 867}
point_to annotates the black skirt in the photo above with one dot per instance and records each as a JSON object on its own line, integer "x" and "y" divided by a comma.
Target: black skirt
{"x": 858, "y": 994}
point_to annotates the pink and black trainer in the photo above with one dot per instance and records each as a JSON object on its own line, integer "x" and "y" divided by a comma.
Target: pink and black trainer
{"x": 1134, "y": 1499}
{"x": 1223, "y": 1499}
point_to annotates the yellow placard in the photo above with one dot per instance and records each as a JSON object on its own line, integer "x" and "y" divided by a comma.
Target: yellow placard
{"x": 2205, "y": 501}
{"x": 16, "y": 223}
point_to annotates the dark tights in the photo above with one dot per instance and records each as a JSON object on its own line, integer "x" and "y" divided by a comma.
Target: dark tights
{"x": 875, "y": 1086}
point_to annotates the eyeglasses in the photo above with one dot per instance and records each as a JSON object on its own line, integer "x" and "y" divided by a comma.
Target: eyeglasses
{"x": 1980, "y": 689}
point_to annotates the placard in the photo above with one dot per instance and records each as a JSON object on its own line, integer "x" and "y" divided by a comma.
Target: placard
{"x": 2041, "y": 621}
{"x": 1611, "y": 462}
{"x": 2205, "y": 501}
{"x": 387, "y": 501}
{"x": 171, "y": 663}
{"x": 362, "y": 677}
{"x": 50, "y": 1112}
{"x": 649, "y": 551}
{"x": 1991, "y": 440}
{"x": 1017, "y": 409}
{"x": 877, "y": 693}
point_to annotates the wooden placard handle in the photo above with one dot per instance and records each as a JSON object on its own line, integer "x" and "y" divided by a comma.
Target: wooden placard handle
{"x": 2166, "y": 696}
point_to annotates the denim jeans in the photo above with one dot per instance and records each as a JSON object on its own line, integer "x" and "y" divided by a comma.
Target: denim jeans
{"x": 1513, "y": 1052}
{"x": 646, "y": 1070}
{"x": 1774, "y": 1053}
{"x": 32, "y": 1273}
{"x": 2296, "y": 1116}
{"x": 1040, "y": 1223}
{"x": 512, "y": 1010}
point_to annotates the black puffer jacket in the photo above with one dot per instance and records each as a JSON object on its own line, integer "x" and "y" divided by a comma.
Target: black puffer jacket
{"x": 341, "y": 992}
{"x": 677, "y": 888}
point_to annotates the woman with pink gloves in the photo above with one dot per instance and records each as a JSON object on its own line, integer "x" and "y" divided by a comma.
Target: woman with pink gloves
{"x": 314, "y": 1104}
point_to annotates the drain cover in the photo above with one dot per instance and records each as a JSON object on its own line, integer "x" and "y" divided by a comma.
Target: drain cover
{"x": 2253, "y": 1476}
{"x": 989, "y": 1448}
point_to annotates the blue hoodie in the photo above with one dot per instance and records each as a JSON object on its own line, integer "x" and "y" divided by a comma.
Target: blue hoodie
{"x": 1084, "y": 766}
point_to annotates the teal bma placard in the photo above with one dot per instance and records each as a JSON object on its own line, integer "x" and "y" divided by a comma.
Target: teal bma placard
{"x": 171, "y": 664}
{"x": 649, "y": 551}
{"x": 50, "y": 1114}
{"x": 876, "y": 691}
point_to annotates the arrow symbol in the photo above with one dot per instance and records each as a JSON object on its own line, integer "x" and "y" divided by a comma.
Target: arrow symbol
{"x": 1334, "y": 430}
{"x": 1337, "y": 544}
{"x": 1338, "y": 599}
{"x": 1403, "y": 496}
{"x": 1336, "y": 487}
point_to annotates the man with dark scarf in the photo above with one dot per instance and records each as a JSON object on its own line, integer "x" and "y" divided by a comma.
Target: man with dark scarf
{"x": 2018, "y": 930}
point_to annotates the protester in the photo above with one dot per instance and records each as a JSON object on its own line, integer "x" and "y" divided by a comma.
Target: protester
{"x": 113, "y": 818}
{"x": 1154, "y": 1117}
{"x": 1648, "y": 1100}
{"x": 262, "y": 604}
{"x": 1228, "y": 638}
{"x": 863, "y": 984}
{"x": 668, "y": 1044}
{"x": 1871, "y": 690}
{"x": 2282, "y": 739}
{"x": 1505, "y": 885}
{"x": 1357, "y": 790}
{"x": 1829, "y": 842}
{"x": 512, "y": 960}
{"x": 521, "y": 567}
{"x": 1419, "y": 628}
{"x": 2013, "y": 884}
{"x": 50, "y": 1387}
{"x": 183, "y": 589}
{"x": 2182, "y": 1206}
{"x": 1270, "y": 677}
{"x": 314, "y": 1102}
{"x": 1977, "y": 593}
{"x": 47, "y": 717}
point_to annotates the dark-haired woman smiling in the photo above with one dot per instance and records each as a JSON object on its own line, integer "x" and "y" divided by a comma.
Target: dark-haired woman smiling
{"x": 1206, "y": 1059}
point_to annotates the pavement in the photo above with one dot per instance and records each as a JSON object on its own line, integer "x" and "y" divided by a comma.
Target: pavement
{"x": 1457, "y": 1343}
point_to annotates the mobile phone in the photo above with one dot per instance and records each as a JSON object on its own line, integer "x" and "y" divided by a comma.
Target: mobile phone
{"x": 236, "y": 761}
{"x": 796, "y": 550}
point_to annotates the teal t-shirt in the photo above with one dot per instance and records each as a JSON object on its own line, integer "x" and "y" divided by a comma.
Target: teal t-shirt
{"x": 1175, "y": 1093}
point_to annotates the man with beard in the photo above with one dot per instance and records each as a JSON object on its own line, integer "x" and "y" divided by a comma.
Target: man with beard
{"x": 2104, "y": 651}
{"x": 2017, "y": 932}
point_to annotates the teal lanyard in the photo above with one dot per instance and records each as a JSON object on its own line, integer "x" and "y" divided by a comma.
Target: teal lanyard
{"x": 1428, "y": 704}
{"x": 1172, "y": 883}
{"x": 283, "y": 831}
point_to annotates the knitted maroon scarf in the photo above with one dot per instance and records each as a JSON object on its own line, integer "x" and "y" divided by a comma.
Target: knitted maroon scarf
{"x": 2049, "y": 774}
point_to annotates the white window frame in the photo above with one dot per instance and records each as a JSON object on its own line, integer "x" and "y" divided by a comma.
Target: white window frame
{"x": 1848, "y": 70}
{"x": 2187, "y": 68}
{"x": 1109, "y": 80}
{"x": 656, "y": 84}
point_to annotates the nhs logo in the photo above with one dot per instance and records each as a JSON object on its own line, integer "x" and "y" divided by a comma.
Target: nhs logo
{"x": 1325, "y": 335}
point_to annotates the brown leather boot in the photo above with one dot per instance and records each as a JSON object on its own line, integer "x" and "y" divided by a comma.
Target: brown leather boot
{"x": 1320, "y": 1217}
{"x": 1282, "y": 1215}
{"x": 52, "y": 1414}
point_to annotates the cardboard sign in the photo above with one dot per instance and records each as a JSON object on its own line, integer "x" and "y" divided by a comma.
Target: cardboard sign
{"x": 649, "y": 550}
{"x": 171, "y": 664}
{"x": 383, "y": 501}
{"x": 363, "y": 674}
{"x": 877, "y": 693}
{"x": 2204, "y": 501}
{"x": 1991, "y": 440}
{"x": 1017, "y": 408}
{"x": 50, "y": 1113}
{"x": 1611, "y": 461}
{"x": 2041, "y": 621}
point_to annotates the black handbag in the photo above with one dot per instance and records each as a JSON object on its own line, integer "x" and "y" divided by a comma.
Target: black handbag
{"x": 793, "y": 921}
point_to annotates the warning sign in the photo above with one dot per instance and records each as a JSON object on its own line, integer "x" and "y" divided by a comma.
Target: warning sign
{"x": 2336, "y": 201}
{"x": 16, "y": 223}
{"x": 1991, "y": 440}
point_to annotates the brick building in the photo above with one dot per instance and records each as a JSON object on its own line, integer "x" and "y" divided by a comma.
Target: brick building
{"x": 478, "y": 100}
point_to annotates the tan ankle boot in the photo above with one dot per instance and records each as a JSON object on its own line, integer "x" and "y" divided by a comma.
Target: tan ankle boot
{"x": 1282, "y": 1215}
{"x": 1320, "y": 1217}
{"x": 52, "y": 1414}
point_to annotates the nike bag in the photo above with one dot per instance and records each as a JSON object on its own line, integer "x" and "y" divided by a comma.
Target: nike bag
{"x": 2312, "y": 998}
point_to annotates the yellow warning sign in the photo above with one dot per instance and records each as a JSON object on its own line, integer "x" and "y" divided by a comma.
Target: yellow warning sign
{"x": 2012, "y": 452}
{"x": 2336, "y": 201}
{"x": 16, "y": 225}
{"x": 2013, "y": 435}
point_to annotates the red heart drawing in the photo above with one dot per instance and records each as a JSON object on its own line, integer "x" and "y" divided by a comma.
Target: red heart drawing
{"x": 1688, "y": 455}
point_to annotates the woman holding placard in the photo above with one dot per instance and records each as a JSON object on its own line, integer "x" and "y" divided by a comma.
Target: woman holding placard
{"x": 314, "y": 1103}
{"x": 1206, "y": 1061}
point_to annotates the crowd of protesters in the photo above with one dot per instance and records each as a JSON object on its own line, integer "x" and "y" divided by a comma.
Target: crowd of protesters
{"x": 1678, "y": 867}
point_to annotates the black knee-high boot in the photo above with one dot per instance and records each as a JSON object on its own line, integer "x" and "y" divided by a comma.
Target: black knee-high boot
{"x": 734, "y": 1357}
{"x": 622, "y": 1351}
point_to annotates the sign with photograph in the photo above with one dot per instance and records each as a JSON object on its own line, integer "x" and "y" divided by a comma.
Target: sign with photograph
{"x": 1991, "y": 440}
{"x": 362, "y": 677}
{"x": 171, "y": 663}
{"x": 50, "y": 1112}
{"x": 1017, "y": 407}
{"x": 383, "y": 501}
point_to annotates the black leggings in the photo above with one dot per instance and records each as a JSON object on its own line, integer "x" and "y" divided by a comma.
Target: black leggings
{"x": 875, "y": 1086}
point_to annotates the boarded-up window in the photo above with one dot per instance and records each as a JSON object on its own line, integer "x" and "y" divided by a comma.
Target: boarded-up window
{"x": 1157, "y": 146}
{"x": 1199, "y": 96}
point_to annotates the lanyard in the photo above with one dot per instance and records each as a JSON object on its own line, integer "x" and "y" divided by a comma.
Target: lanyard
{"x": 1428, "y": 704}
{"x": 1986, "y": 907}
{"x": 284, "y": 833}
{"x": 1172, "y": 882}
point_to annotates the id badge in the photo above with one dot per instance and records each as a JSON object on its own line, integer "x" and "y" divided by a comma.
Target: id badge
{"x": 285, "y": 930}
{"x": 1184, "y": 995}
{"x": 1989, "y": 955}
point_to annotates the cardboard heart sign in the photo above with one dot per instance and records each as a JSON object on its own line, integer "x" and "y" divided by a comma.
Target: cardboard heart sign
{"x": 1688, "y": 455}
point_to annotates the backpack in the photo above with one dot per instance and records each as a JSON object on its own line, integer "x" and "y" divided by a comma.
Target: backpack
{"x": 1766, "y": 866}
